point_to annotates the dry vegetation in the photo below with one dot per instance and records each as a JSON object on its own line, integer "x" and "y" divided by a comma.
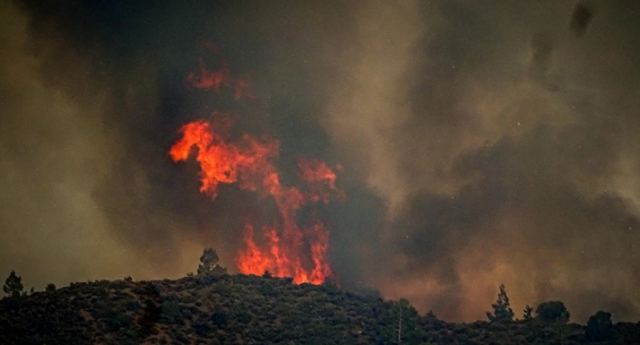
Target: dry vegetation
{"x": 236, "y": 309}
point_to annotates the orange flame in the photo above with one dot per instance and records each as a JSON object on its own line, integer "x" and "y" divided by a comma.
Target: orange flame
{"x": 320, "y": 178}
{"x": 216, "y": 79}
{"x": 292, "y": 252}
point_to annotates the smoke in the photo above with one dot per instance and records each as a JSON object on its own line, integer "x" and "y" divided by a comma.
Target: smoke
{"x": 54, "y": 154}
{"x": 499, "y": 144}
{"x": 479, "y": 143}
{"x": 580, "y": 18}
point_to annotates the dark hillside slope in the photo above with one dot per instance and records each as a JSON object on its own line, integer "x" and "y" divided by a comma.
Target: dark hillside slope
{"x": 226, "y": 309}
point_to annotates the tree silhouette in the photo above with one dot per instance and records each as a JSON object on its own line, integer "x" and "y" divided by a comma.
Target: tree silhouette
{"x": 527, "y": 313}
{"x": 209, "y": 262}
{"x": 501, "y": 309}
{"x": 599, "y": 326}
{"x": 552, "y": 311}
{"x": 13, "y": 285}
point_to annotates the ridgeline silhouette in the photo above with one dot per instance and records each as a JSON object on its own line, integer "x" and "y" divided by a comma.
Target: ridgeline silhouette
{"x": 214, "y": 307}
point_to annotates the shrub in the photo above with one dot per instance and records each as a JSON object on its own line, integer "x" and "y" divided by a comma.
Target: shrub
{"x": 114, "y": 321}
{"x": 552, "y": 311}
{"x": 170, "y": 311}
{"x": 219, "y": 318}
{"x": 599, "y": 327}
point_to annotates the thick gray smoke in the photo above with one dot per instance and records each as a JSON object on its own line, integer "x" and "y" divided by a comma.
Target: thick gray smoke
{"x": 480, "y": 143}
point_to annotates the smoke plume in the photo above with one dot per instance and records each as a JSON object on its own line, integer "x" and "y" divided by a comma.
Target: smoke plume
{"x": 479, "y": 143}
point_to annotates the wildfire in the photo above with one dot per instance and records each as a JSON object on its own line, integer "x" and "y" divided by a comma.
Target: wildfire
{"x": 216, "y": 79}
{"x": 285, "y": 250}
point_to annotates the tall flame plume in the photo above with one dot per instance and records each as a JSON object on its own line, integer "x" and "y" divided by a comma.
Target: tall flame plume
{"x": 291, "y": 251}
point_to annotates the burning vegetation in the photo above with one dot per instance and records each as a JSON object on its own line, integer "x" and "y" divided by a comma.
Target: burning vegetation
{"x": 283, "y": 248}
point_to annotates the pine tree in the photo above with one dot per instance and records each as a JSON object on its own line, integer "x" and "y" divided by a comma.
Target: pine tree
{"x": 501, "y": 309}
{"x": 209, "y": 263}
{"x": 528, "y": 313}
{"x": 13, "y": 285}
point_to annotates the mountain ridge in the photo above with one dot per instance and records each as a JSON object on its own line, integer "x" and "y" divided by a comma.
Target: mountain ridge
{"x": 216, "y": 308}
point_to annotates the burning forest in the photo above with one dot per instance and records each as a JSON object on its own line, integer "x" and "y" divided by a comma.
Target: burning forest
{"x": 283, "y": 248}
{"x": 332, "y": 159}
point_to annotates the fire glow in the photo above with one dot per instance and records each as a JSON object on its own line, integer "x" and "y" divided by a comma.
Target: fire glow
{"x": 285, "y": 249}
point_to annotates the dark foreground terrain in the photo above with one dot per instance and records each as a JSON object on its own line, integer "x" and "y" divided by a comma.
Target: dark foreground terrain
{"x": 226, "y": 309}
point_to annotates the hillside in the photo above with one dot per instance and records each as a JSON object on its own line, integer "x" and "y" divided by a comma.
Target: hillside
{"x": 238, "y": 309}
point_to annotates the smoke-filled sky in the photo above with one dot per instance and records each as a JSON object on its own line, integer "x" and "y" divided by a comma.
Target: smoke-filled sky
{"x": 478, "y": 142}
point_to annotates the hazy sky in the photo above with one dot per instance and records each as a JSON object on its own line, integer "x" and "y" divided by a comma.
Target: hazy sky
{"x": 479, "y": 142}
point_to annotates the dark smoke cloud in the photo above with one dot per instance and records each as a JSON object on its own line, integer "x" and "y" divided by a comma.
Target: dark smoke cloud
{"x": 541, "y": 53}
{"x": 580, "y": 19}
{"x": 480, "y": 143}
{"x": 129, "y": 61}
{"x": 504, "y": 151}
